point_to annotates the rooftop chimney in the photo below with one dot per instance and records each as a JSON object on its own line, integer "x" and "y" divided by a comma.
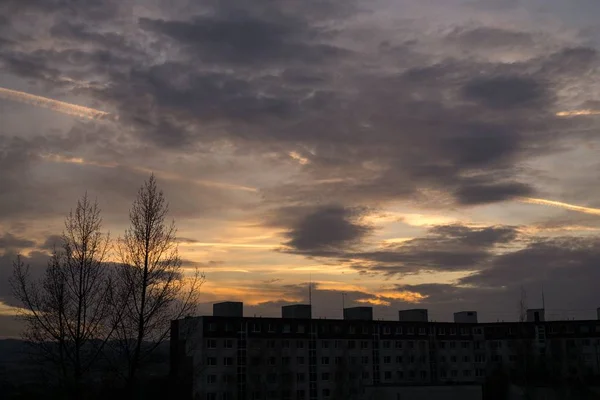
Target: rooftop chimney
{"x": 536, "y": 315}
{"x": 414, "y": 315}
{"x": 228, "y": 309}
{"x": 359, "y": 313}
{"x": 465, "y": 317}
{"x": 297, "y": 311}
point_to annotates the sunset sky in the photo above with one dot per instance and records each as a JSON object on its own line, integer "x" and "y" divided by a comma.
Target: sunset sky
{"x": 437, "y": 154}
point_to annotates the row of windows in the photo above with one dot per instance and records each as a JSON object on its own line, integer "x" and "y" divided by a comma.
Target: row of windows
{"x": 272, "y": 361}
{"x": 340, "y": 344}
{"x": 352, "y": 329}
{"x": 270, "y": 395}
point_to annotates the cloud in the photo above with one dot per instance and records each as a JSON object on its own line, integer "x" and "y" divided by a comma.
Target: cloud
{"x": 485, "y": 37}
{"x": 9, "y": 242}
{"x": 325, "y": 229}
{"x": 506, "y": 92}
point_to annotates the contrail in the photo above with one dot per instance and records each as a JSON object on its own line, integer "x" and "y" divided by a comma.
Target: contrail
{"x": 567, "y": 206}
{"x": 51, "y": 104}
{"x": 577, "y": 113}
{"x": 160, "y": 174}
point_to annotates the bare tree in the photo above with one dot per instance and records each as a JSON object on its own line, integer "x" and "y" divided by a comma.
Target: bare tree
{"x": 152, "y": 279}
{"x": 67, "y": 311}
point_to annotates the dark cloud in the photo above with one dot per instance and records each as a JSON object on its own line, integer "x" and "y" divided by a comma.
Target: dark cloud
{"x": 52, "y": 242}
{"x": 489, "y": 37}
{"x": 506, "y": 92}
{"x": 9, "y": 241}
{"x": 325, "y": 229}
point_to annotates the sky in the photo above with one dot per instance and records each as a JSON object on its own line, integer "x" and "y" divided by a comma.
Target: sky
{"x": 438, "y": 154}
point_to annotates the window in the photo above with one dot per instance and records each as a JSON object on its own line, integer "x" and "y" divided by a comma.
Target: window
{"x": 272, "y": 361}
{"x": 228, "y": 361}
{"x": 299, "y": 344}
{"x": 398, "y": 330}
{"x": 465, "y": 345}
{"x": 300, "y": 377}
{"x": 300, "y": 394}
{"x": 453, "y": 359}
{"x": 386, "y": 344}
{"x": 400, "y": 375}
{"x": 477, "y": 331}
{"x": 286, "y": 328}
{"x": 352, "y": 330}
{"x": 443, "y": 373}
{"x": 338, "y": 360}
{"x": 271, "y": 328}
{"x": 411, "y": 344}
{"x": 387, "y": 375}
{"x": 387, "y": 360}
{"x": 411, "y": 374}
{"x": 325, "y": 344}
{"x": 585, "y": 342}
{"x": 364, "y": 344}
{"x": 228, "y": 327}
{"x": 230, "y": 379}
{"x": 272, "y": 378}
{"x": 497, "y": 358}
{"x": 212, "y": 327}
{"x": 365, "y": 375}
{"x": 210, "y": 379}
{"x": 255, "y": 327}
{"x": 398, "y": 359}
{"x": 211, "y": 343}
{"x": 365, "y": 330}
{"x": 228, "y": 343}
{"x": 255, "y": 361}
{"x": 453, "y": 331}
{"x": 411, "y": 330}
{"x": 286, "y": 361}
{"x": 256, "y": 395}
{"x": 442, "y": 358}
{"x": 464, "y": 331}
{"x": 271, "y": 344}
{"x": 365, "y": 359}
{"x": 480, "y": 358}
{"x": 454, "y": 373}
{"x": 325, "y": 360}
{"x": 467, "y": 359}
{"x": 452, "y": 345}
{"x": 441, "y": 331}
{"x": 285, "y": 344}
{"x": 467, "y": 373}
{"x": 351, "y": 344}
{"x": 211, "y": 361}
{"x": 423, "y": 359}
{"x": 387, "y": 330}
{"x": 300, "y": 360}
{"x": 353, "y": 360}
{"x": 326, "y": 392}
{"x": 479, "y": 372}
{"x": 325, "y": 376}
{"x": 398, "y": 344}
{"x": 442, "y": 345}
{"x": 423, "y": 374}
{"x": 300, "y": 328}
{"x": 422, "y": 331}
{"x": 211, "y": 396}
{"x": 411, "y": 359}
{"x": 324, "y": 329}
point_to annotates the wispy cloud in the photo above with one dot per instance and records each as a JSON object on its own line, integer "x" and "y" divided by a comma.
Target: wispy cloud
{"x": 566, "y": 206}
{"x": 577, "y": 113}
{"x": 51, "y": 104}
{"x": 160, "y": 174}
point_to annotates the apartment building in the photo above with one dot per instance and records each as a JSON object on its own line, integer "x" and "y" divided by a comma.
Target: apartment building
{"x": 228, "y": 356}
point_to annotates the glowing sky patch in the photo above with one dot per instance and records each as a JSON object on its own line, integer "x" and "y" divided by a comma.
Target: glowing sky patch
{"x": 577, "y": 113}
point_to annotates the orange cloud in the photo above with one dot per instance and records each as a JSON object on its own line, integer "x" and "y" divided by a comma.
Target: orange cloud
{"x": 566, "y": 206}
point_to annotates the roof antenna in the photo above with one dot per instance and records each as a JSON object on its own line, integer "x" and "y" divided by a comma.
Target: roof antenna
{"x": 543, "y": 299}
{"x": 310, "y": 290}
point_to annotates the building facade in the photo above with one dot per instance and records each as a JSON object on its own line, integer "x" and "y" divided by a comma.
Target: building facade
{"x": 226, "y": 357}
